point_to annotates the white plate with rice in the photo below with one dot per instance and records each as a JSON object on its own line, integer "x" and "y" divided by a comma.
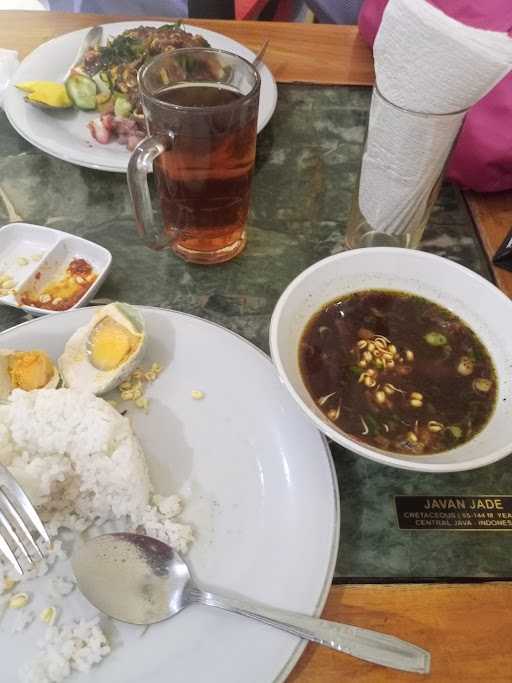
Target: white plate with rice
{"x": 259, "y": 490}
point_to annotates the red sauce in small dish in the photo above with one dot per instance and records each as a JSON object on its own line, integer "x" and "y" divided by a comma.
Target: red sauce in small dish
{"x": 60, "y": 295}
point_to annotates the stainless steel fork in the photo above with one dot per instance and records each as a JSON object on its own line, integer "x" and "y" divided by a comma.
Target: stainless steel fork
{"x": 20, "y": 526}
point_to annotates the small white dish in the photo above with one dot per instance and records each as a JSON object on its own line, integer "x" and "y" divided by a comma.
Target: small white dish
{"x": 475, "y": 300}
{"x": 32, "y": 255}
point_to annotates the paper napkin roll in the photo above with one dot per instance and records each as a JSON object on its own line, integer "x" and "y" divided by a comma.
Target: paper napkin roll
{"x": 425, "y": 62}
{"x": 8, "y": 65}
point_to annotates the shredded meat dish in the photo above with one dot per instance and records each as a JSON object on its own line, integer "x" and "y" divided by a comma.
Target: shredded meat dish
{"x": 118, "y": 63}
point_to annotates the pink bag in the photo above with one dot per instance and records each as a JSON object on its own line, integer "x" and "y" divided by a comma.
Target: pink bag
{"x": 482, "y": 159}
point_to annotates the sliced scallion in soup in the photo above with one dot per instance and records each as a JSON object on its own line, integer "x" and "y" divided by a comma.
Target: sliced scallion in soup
{"x": 398, "y": 372}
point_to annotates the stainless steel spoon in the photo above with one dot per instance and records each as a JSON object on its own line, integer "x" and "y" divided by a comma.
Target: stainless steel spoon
{"x": 259, "y": 57}
{"x": 140, "y": 580}
{"x": 91, "y": 38}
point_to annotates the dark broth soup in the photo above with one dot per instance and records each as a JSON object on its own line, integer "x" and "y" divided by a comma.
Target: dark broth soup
{"x": 398, "y": 372}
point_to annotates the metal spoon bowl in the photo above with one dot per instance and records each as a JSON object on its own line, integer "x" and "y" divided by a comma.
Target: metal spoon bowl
{"x": 140, "y": 580}
{"x": 91, "y": 39}
{"x": 259, "y": 57}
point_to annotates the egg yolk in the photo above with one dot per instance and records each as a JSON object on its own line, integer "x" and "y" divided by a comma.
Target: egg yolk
{"x": 30, "y": 370}
{"x": 111, "y": 344}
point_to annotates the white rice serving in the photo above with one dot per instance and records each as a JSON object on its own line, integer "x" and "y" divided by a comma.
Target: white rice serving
{"x": 65, "y": 649}
{"x": 81, "y": 465}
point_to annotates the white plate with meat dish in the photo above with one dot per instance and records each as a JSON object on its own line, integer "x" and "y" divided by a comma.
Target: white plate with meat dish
{"x": 65, "y": 134}
{"x": 259, "y": 490}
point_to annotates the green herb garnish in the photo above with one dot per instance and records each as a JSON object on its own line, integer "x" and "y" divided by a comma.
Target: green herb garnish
{"x": 171, "y": 27}
{"x": 120, "y": 50}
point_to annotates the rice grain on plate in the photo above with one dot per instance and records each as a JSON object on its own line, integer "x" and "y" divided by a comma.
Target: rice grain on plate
{"x": 82, "y": 466}
{"x": 66, "y": 649}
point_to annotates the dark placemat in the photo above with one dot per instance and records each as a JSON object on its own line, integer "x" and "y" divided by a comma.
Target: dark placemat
{"x": 307, "y": 161}
{"x": 372, "y": 545}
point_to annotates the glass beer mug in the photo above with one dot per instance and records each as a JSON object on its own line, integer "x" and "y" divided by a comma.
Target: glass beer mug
{"x": 201, "y": 110}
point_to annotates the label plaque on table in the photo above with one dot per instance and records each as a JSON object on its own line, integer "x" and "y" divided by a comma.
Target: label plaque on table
{"x": 454, "y": 513}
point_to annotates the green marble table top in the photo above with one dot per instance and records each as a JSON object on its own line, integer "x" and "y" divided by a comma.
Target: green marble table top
{"x": 307, "y": 161}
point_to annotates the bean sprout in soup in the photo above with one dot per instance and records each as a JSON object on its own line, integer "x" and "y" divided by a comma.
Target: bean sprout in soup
{"x": 398, "y": 372}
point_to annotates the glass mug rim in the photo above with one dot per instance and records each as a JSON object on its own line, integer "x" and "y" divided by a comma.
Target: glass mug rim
{"x": 414, "y": 112}
{"x": 215, "y": 107}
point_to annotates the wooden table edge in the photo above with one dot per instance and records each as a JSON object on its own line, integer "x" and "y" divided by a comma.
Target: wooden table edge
{"x": 466, "y": 627}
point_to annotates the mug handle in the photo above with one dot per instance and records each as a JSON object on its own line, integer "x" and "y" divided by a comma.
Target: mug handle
{"x": 140, "y": 164}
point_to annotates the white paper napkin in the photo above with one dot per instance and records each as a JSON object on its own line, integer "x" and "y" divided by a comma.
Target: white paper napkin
{"x": 8, "y": 65}
{"x": 427, "y": 62}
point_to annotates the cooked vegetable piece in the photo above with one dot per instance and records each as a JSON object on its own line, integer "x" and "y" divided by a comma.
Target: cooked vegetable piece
{"x": 102, "y": 99}
{"x": 435, "y": 339}
{"x": 82, "y": 90}
{"x": 455, "y": 430}
{"x": 102, "y": 82}
{"x": 483, "y": 385}
{"x": 465, "y": 366}
{"x": 122, "y": 106}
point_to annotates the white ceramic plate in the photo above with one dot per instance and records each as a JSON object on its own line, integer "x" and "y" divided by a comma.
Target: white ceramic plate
{"x": 33, "y": 255}
{"x": 260, "y": 489}
{"x": 65, "y": 134}
{"x": 475, "y": 300}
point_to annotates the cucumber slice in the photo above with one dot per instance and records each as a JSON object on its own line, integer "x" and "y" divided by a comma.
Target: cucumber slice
{"x": 82, "y": 90}
{"x": 102, "y": 83}
{"x": 122, "y": 106}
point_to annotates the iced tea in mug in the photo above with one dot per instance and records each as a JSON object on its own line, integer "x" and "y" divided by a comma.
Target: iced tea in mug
{"x": 201, "y": 110}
